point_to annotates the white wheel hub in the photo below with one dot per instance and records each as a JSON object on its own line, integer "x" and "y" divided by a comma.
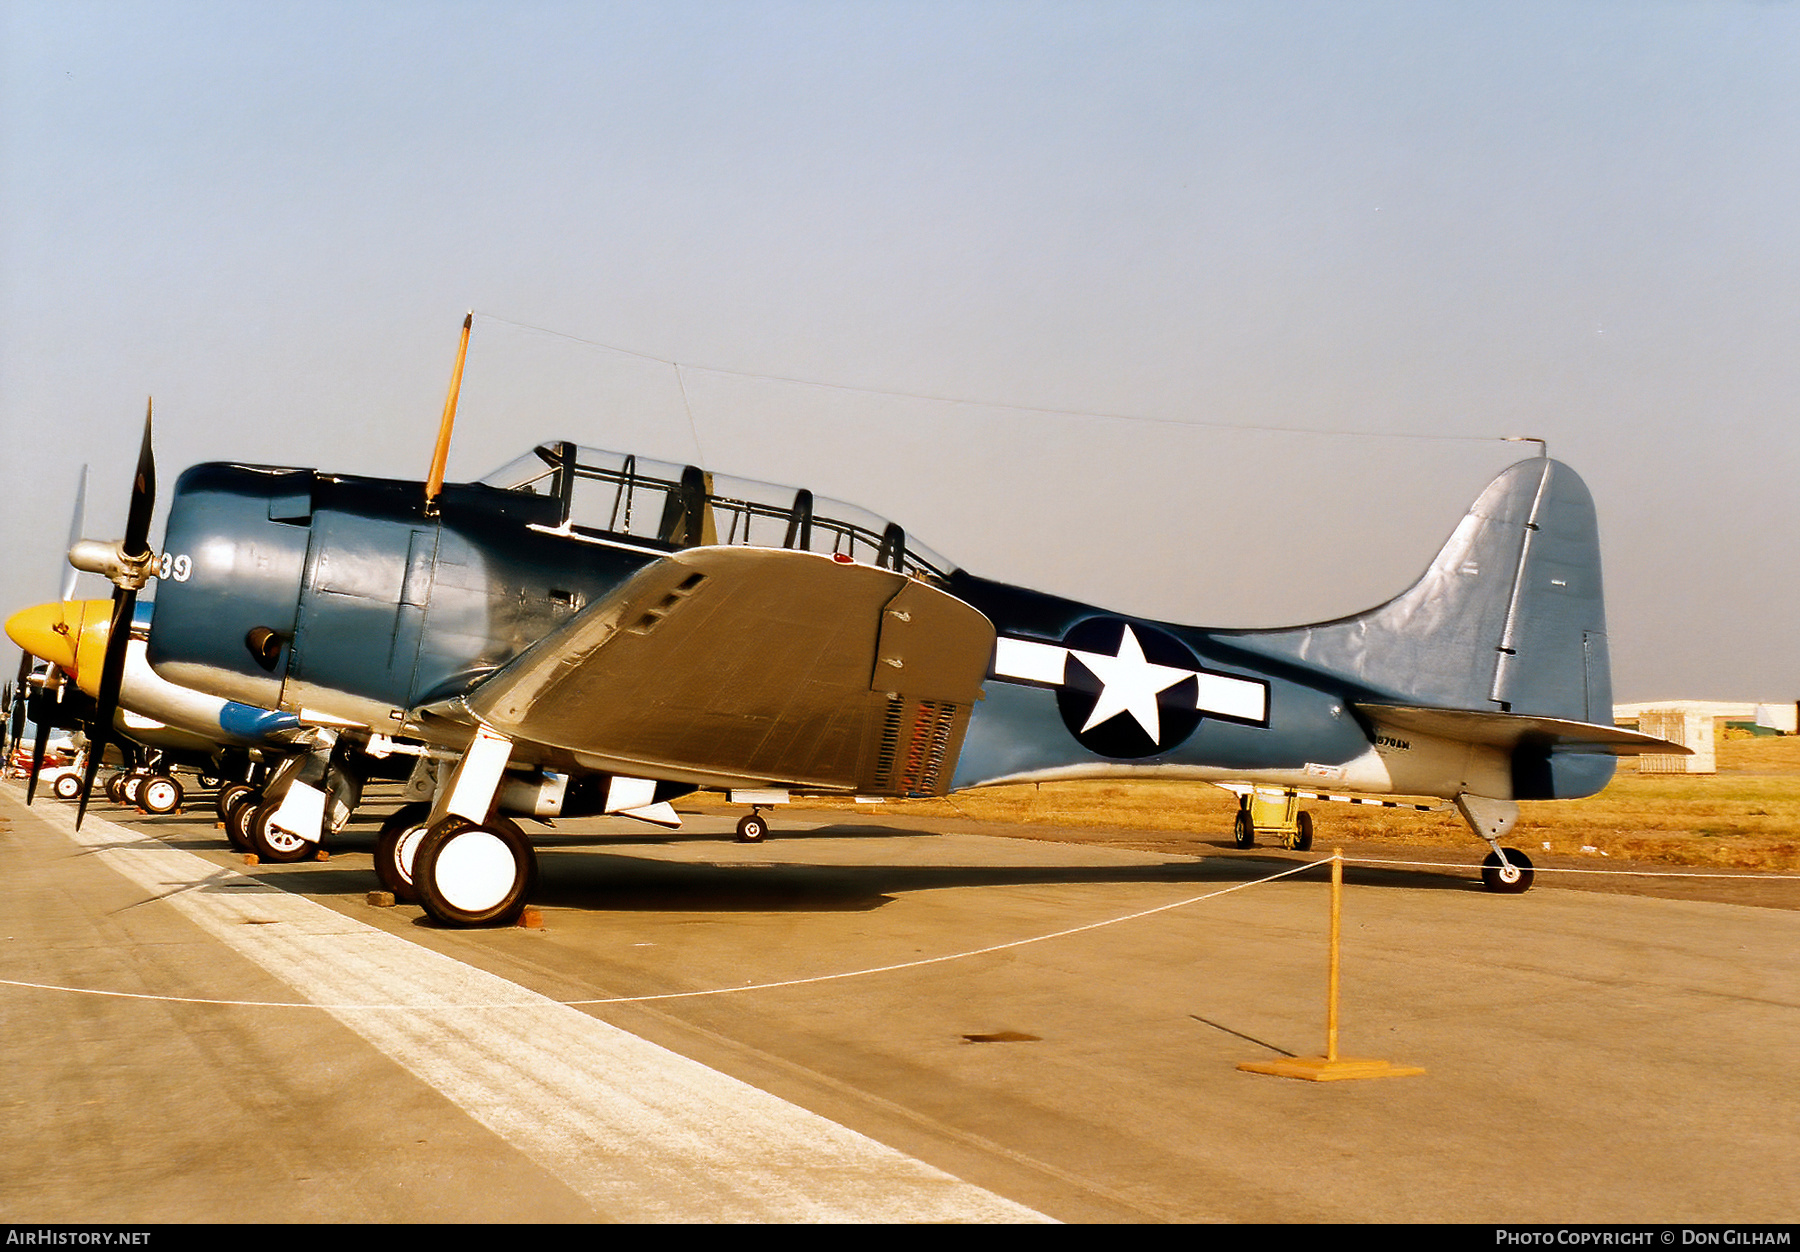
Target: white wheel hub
{"x": 406, "y": 847}
{"x": 475, "y": 871}
{"x": 282, "y": 840}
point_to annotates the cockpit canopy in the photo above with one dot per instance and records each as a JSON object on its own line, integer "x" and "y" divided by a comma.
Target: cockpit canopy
{"x": 613, "y": 494}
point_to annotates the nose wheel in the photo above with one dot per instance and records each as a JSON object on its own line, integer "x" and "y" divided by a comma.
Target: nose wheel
{"x": 752, "y": 828}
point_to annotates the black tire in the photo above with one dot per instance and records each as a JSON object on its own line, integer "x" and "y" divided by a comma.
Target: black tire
{"x": 207, "y": 779}
{"x": 228, "y": 796}
{"x": 398, "y": 847}
{"x": 1513, "y": 880}
{"x": 751, "y": 828}
{"x": 470, "y": 875}
{"x": 115, "y": 788}
{"x": 271, "y": 843}
{"x": 160, "y": 795}
{"x": 1302, "y": 832}
{"x": 1243, "y": 830}
{"x": 237, "y": 819}
{"x": 67, "y": 786}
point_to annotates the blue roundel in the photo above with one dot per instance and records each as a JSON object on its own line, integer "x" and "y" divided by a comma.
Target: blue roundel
{"x": 1129, "y": 690}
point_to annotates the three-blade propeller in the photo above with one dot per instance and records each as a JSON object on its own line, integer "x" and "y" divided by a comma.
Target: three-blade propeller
{"x": 128, "y": 572}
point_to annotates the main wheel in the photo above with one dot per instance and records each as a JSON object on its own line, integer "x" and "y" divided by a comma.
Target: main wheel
{"x": 1513, "y": 878}
{"x": 270, "y": 842}
{"x": 397, "y": 847}
{"x": 469, "y": 875}
{"x": 159, "y": 795}
{"x": 67, "y": 786}
{"x": 228, "y": 796}
{"x": 1243, "y": 830}
{"x": 751, "y": 828}
{"x": 237, "y": 819}
{"x": 1302, "y": 840}
{"x": 115, "y": 788}
{"x": 128, "y": 788}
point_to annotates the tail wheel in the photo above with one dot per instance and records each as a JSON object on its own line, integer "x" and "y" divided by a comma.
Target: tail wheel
{"x": 398, "y": 847}
{"x": 1243, "y": 830}
{"x": 470, "y": 875}
{"x": 751, "y": 828}
{"x": 270, "y": 842}
{"x": 1511, "y": 879}
{"x": 159, "y": 795}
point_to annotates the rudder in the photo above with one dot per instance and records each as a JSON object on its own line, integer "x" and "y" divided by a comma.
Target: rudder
{"x": 1510, "y": 616}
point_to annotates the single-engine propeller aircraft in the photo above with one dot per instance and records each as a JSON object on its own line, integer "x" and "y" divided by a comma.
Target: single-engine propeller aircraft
{"x": 589, "y": 631}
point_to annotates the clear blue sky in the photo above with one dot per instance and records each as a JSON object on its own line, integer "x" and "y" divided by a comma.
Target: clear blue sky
{"x": 1424, "y": 225}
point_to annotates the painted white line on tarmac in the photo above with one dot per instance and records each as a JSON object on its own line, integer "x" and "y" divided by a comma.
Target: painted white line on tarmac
{"x": 642, "y": 1133}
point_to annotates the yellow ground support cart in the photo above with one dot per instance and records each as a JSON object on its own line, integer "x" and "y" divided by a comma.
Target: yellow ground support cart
{"x": 1272, "y": 811}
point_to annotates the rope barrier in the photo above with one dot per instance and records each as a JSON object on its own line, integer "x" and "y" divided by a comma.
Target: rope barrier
{"x": 966, "y": 954}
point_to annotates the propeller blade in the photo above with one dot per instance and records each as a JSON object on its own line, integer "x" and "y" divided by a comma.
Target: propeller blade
{"x": 143, "y": 501}
{"x": 39, "y": 745}
{"x": 135, "y": 546}
{"x": 77, "y": 524}
{"x": 112, "y": 676}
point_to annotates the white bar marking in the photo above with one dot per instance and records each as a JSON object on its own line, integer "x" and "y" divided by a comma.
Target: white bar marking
{"x": 1031, "y": 661}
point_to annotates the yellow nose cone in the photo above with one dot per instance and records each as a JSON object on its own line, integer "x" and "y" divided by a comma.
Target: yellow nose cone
{"x": 71, "y": 635}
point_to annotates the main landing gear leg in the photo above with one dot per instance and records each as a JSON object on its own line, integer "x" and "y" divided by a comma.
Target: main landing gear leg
{"x": 472, "y": 868}
{"x": 1506, "y": 871}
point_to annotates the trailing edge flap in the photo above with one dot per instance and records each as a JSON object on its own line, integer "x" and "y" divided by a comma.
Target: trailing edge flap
{"x": 728, "y": 666}
{"x": 1509, "y": 730}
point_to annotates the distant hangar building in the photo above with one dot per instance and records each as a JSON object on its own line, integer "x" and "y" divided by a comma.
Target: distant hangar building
{"x": 1696, "y": 724}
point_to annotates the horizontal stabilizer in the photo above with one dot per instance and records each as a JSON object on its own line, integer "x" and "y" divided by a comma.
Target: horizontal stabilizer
{"x": 1511, "y": 730}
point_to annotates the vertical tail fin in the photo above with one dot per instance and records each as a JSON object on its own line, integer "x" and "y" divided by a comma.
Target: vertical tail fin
{"x": 1509, "y": 618}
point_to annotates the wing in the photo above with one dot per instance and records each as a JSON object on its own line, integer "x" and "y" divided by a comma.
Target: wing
{"x": 753, "y": 667}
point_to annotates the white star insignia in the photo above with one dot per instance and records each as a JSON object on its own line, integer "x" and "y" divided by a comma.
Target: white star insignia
{"x": 1129, "y": 684}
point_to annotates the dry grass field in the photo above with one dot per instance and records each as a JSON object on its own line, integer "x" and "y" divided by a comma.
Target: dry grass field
{"x": 1745, "y": 817}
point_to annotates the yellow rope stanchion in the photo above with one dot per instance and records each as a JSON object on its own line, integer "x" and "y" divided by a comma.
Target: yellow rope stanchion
{"x": 1331, "y": 1067}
